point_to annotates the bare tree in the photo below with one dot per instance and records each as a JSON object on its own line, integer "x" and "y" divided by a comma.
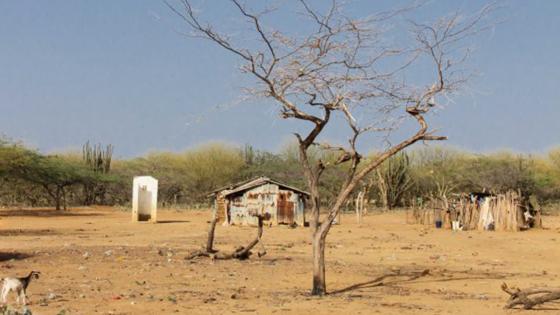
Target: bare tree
{"x": 346, "y": 70}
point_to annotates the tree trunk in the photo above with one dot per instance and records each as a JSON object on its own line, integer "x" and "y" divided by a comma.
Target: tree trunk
{"x": 211, "y": 231}
{"x": 57, "y": 203}
{"x": 55, "y": 195}
{"x": 87, "y": 194}
{"x": 319, "y": 281}
{"x": 102, "y": 193}
{"x": 58, "y": 199}
{"x": 64, "y": 202}
{"x": 360, "y": 205}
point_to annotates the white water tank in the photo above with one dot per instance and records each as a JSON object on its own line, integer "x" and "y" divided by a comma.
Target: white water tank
{"x": 144, "y": 199}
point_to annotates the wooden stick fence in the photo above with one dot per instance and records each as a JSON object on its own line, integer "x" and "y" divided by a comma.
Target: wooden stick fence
{"x": 503, "y": 212}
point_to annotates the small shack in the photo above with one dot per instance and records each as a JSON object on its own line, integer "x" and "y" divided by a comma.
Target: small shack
{"x": 285, "y": 204}
{"x": 144, "y": 199}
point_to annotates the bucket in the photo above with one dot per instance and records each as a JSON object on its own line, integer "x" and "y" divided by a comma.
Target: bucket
{"x": 439, "y": 224}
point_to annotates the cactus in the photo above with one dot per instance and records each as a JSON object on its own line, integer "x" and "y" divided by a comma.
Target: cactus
{"x": 393, "y": 180}
{"x": 99, "y": 161}
{"x": 97, "y": 158}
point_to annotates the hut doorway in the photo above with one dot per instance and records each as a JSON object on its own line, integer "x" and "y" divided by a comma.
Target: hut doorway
{"x": 285, "y": 209}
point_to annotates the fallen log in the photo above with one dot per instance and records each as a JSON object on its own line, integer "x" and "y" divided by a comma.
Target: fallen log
{"x": 530, "y": 297}
{"x": 197, "y": 253}
{"x": 240, "y": 253}
{"x": 244, "y": 252}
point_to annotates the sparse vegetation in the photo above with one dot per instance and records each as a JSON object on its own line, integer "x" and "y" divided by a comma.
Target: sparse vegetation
{"x": 28, "y": 178}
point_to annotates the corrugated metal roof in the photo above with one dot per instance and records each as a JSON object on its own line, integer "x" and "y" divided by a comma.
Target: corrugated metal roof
{"x": 246, "y": 185}
{"x": 231, "y": 186}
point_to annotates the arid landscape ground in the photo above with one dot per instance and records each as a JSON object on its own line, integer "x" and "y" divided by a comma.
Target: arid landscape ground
{"x": 96, "y": 261}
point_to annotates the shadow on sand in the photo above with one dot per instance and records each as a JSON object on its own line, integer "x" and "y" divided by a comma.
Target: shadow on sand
{"x": 46, "y": 213}
{"x": 14, "y": 256}
{"x": 172, "y": 221}
{"x": 394, "y": 278}
{"x": 27, "y": 232}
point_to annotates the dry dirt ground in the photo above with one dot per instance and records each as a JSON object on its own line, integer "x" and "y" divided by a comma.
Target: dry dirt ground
{"x": 96, "y": 261}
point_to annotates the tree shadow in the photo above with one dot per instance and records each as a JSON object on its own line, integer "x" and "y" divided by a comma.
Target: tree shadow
{"x": 45, "y": 213}
{"x": 27, "y": 232}
{"x": 547, "y": 308}
{"x": 452, "y": 275}
{"x": 550, "y": 306}
{"x": 271, "y": 260}
{"x": 172, "y": 221}
{"x": 398, "y": 277}
{"x": 14, "y": 256}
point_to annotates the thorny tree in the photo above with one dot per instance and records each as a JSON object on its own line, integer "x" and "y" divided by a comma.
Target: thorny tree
{"x": 345, "y": 69}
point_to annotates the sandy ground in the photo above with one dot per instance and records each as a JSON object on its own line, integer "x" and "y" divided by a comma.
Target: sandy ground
{"x": 95, "y": 261}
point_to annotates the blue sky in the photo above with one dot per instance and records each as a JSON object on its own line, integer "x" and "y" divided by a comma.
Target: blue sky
{"x": 120, "y": 72}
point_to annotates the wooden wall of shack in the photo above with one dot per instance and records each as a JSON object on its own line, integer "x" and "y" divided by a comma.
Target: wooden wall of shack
{"x": 284, "y": 206}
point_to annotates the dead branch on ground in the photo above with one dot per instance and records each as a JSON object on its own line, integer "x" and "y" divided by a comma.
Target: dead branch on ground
{"x": 209, "y": 243}
{"x": 530, "y": 297}
{"x": 240, "y": 252}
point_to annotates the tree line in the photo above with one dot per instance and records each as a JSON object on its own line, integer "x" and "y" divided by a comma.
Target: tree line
{"x": 29, "y": 178}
